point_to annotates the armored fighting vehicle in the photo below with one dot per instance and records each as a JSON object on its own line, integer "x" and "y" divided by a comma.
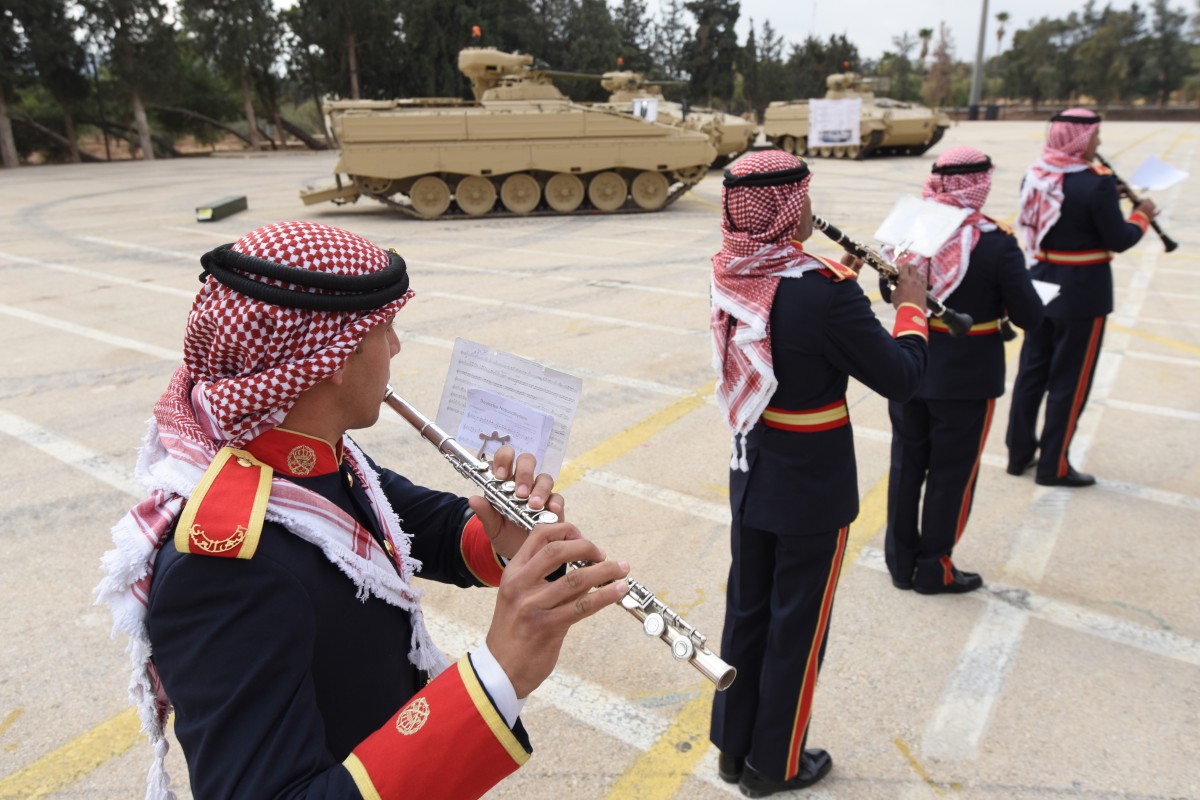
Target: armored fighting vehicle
{"x": 732, "y": 135}
{"x": 519, "y": 148}
{"x": 887, "y": 127}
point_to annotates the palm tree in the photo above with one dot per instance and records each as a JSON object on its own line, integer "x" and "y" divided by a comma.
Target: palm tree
{"x": 1001, "y": 17}
{"x": 925, "y": 35}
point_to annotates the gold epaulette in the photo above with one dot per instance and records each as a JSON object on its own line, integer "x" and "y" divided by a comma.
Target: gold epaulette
{"x": 840, "y": 271}
{"x": 224, "y": 516}
{"x": 1004, "y": 227}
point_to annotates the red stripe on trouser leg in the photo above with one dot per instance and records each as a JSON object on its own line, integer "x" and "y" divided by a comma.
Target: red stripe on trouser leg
{"x": 947, "y": 570}
{"x": 812, "y": 663}
{"x": 1081, "y": 387}
{"x": 964, "y": 510}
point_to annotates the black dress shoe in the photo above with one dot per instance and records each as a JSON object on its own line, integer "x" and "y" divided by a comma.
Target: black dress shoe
{"x": 900, "y": 583}
{"x": 730, "y": 768}
{"x": 814, "y": 765}
{"x": 963, "y": 582}
{"x": 1015, "y": 468}
{"x": 1072, "y": 478}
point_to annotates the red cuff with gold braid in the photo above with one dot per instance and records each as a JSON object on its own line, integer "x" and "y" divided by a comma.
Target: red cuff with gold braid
{"x": 478, "y": 553}
{"x": 910, "y": 321}
{"x": 1140, "y": 219}
{"x": 448, "y": 741}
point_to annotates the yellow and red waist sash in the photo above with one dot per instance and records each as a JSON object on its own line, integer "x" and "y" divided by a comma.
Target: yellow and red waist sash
{"x": 1074, "y": 258}
{"x": 834, "y": 415}
{"x": 978, "y": 329}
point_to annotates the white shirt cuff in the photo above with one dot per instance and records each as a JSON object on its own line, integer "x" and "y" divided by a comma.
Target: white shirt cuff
{"x": 495, "y": 680}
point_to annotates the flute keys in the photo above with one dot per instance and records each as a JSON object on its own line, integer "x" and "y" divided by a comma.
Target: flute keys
{"x": 654, "y": 624}
{"x": 683, "y": 649}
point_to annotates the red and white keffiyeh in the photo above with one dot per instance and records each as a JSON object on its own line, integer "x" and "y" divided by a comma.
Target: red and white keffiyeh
{"x": 1042, "y": 190}
{"x": 945, "y": 271}
{"x": 245, "y": 364}
{"x": 756, "y": 252}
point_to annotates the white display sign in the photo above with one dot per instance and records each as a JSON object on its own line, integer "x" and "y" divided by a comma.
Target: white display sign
{"x": 834, "y": 123}
{"x": 490, "y": 395}
{"x": 920, "y": 226}
{"x": 646, "y": 108}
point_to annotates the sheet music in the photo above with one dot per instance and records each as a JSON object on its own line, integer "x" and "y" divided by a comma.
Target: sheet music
{"x": 920, "y": 226}
{"x": 548, "y": 391}
{"x": 1154, "y": 174}
{"x": 1046, "y": 290}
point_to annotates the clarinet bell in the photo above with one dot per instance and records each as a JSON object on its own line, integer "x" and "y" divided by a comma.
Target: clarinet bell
{"x": 1169, "y": 244}
{"x": 958, "y": 322}
{"x": 1007, "y": 331}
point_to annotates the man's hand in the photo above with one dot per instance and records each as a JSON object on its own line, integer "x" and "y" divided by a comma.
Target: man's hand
{"x": 533, "y": 615}
{"x": 507, "y": 536}
{"x": 853, "y": 262}
{"x": 1148, "y": 208}
{"x": 910, "y": 287}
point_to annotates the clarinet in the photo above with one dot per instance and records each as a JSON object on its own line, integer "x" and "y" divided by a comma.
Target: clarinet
{"x": 958, "y": 322}
{"x": 686, "y": 643}
{"x": 1169, "y": 244}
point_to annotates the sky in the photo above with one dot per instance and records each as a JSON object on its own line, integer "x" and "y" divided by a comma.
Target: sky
{"x": 871, "y": 24}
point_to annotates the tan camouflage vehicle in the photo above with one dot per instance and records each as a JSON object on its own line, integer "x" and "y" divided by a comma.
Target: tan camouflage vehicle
{"x": 521, "y": 147}
{"x": 732, "y": 135}
{"x": 888, "y": 127}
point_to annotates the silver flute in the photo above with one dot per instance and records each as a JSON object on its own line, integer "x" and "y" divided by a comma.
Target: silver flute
{"x": 686, "y": 643}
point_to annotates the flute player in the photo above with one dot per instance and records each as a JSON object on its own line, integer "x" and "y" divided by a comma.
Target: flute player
{"x": 266, "y": 582}
{"x": 789, "y": 329}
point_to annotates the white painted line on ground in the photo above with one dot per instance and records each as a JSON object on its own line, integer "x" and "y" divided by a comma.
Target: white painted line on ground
{"x": 668, "y": 498}
{"x": 1157, "y": 641}
{"x": 96, "y": 275}
{"x": 92, "y": 333}
{"x": 71, "y": 454}
{"x": 1146, "y": 408}
{"x": 570, "y": 279}
{"x": 1174, "y": 360}
{"x": 158, "y": 251}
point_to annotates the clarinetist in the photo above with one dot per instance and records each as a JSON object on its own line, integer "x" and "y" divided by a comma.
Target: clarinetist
{"x": 266, "y": 583}
{"x": 789, "y": 329}
{"x": 939, "y": 434}
{"x": 1070, "y": 223}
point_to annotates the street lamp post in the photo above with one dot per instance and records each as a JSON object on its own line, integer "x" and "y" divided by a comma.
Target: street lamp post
{"x": 977, "y": 73}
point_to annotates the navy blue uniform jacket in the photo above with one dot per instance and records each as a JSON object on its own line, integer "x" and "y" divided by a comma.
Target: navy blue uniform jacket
{"x": 822, "y": 332}
{"x": 1091, "y": 220}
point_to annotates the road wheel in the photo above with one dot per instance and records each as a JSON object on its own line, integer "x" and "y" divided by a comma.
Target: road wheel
{"x": 564, "y": 192}
{"x": 375, "y": 187}
{"x": 788, "y": 144}
{"x": 475, "y": 195}
{"x": 520, "y": 193}
{"x": 430, "y": 196}
{"x": 607, "y": 191}
{"x": 649, "y": 190}
{"x": 839, "y": 152}
{"x": 825, "y": 152}
{"x": 802, "y": 146}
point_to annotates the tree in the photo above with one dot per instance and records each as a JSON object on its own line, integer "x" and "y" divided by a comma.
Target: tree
{"x": 670, "y": 39}
{"x": 593, "y": 43}
{"x": 925, "y": 35}
{"x": 140, "y": 48}
{"x": 635, "y": 35}
{"x": 354, "y": 46}
{"x": 11, "y": 54}
{"x": 239, "y": 36}
{"x": 58, "y": 58}
{"x": 1109, "y": 57}
{"x": 712, "y": 52}
{"x": 938, "y": 86}
{"x": 1002, "y": 17}
{"x": 1168, "y": 61}
{"x": 1038, "y": 65}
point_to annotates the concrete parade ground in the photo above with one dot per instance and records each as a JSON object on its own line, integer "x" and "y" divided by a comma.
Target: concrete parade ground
{"x": 1075, "y": 672}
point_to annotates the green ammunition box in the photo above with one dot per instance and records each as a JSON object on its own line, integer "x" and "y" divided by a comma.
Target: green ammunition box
{"x": 225, "y": 207}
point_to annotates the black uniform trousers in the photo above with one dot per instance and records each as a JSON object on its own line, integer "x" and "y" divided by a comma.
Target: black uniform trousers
{"x": 1058, "y": 359}
{"x": 778, "y": 605}
{"x": 939, "y": 442}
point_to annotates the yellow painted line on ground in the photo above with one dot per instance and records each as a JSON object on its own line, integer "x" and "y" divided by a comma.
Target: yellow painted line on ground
{"x": 1186, "y": 135}
{"x": 77, "y": 758}
{"x": 1153, "y": 337}
{"x": 622, "y": 443}
{"x": 1134, "y": 144}
{"x": 660, "y": 772}
{"x": 872, "y": 516}
{"x": 12, "y": 717}
{"x": 905, "y": 751}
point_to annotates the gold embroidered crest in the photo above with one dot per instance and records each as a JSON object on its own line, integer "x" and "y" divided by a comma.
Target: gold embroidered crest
{"x": 200, "y": 539}
{"x": 413, "y": 717}
{"x": 302, "y": 459}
